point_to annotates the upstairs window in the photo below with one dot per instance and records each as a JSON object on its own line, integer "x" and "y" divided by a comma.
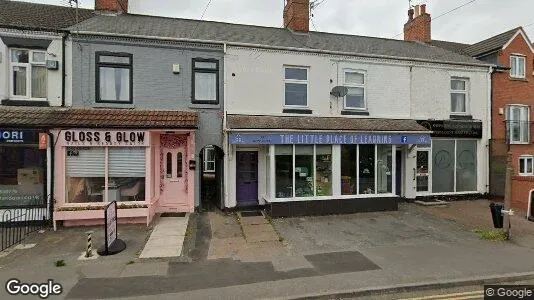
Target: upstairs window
{"x": 517, "y": 66}
{"x": 296, "y": 86}
{"x": 518, "y": 121}
{"x": 459, "y": 95}
{"x": 28, "y": 75}
{"x": 114, "y": 78}
{"x": 355, "y": 82}
{"x": 205, "y": 81}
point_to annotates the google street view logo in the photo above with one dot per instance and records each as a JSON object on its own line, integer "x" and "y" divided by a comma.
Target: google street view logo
{"x": 44, "y": 290}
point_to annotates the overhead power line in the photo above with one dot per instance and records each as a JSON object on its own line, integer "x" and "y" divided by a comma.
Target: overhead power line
{"x": 201, "y": 17}
{"x": 445, "y": 13}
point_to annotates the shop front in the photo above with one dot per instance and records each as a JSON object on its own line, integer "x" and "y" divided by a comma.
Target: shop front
{"x": 322, "y": 171}
{"x": 24, "y": 178}
{"x": 145, "y": 171}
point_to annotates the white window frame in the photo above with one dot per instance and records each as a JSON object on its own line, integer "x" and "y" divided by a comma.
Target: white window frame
{"x": 515, "y": 60}
{"x": 348, "y": 84}
{"x": 465, "y": 92}
{"x": 28, "y": 67}
{"x": 510, "y": 120}
{"x": 297, "y": 82}
{"x": 523, "y": 160}
{"x": 206, "y": 161}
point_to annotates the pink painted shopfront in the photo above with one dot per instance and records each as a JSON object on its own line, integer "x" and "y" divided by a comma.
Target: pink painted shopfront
{"x": 146, "y": 171}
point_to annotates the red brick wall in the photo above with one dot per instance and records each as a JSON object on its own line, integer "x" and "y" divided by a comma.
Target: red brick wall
{"x": 297, "y": 15}
{"x": 112, "y": 5}
{"x": 511, "y": 91}
{"x": 418, "y": 29}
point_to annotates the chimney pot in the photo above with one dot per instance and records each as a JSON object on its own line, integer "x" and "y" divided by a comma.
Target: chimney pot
{"x": 423, "y": 9}
{"x": 410, "y": 14}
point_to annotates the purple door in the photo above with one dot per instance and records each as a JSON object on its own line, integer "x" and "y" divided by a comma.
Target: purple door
{"x": 247, "y": 178}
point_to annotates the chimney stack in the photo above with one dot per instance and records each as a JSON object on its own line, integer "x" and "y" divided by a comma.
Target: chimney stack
{"x": 112, "y": 6}
{"x": 418, "y": 27}
{"x": 297, "y": 15}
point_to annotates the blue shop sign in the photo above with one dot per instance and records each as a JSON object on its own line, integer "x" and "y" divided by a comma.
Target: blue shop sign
{"x": 329, "y": 138}
{"x": 15, "y": 136}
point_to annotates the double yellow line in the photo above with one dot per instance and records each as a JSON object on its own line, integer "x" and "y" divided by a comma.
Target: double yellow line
{"x": 454, "y": 296}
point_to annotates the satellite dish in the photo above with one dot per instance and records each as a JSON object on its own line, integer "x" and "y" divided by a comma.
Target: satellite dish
{"x": 339, "y": 91}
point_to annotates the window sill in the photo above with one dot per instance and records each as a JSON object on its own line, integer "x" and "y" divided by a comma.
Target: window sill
{"x": 518, "y": 79}
{"x": 519, "y": 143}
{"x": 27, "y": 102}
{"x": 303, "y": 111}
{"x": 355, "y": 112}
{"x": 113, "y": 105}
{"x": 461, "y": 117}
{"x": 204, "y": 105}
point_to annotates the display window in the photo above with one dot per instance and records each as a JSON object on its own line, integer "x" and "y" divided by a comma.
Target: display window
{"x": 88, "y": 181}
{"x": 22, "y": 175}
{"x": 454, "y": 166}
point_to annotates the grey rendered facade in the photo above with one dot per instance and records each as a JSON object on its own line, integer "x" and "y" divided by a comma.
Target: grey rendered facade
{"x": 155, "y": 86}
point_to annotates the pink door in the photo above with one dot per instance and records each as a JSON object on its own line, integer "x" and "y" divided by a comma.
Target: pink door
{"x": 174, "y": 176}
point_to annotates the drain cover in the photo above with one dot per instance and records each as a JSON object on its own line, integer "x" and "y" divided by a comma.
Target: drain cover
{"x": 251, "y": 214}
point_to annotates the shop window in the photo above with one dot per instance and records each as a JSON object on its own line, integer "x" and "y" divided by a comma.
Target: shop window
{"x": 205, "y": 81}
{"x": 296, "y": 86}
{"x": 518, "y": 120}
{"x": 525, "y": 165}
{"x": 459, "y": 95}
{"x": 86, "y": 176}
{"x": 22, "y": 176}
{"x": 304, "y": 171}
{"x": 28, "y": 78}
{"x": 114, "y": 77}
{"x": 367, "y": 169}
{"x": 284, "y": 171}
{"x": 454, "y": 166}
{"x": 323, "y": 167}
{"x": 349, "y": 171}
{"x": 209, "y": 160}
{"x": 517, "y": 66}
{"x": 384, "y": 174}
{"x": 355, "y": 82}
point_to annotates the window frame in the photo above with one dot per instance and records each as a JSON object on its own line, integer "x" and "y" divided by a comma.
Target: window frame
{"x": 523, "y": 160}
{"x": 297, "y": 81}
{"x": 353, "y": 85}
{"x": 206, "y": 161}
{"x": 99, "y": 64}
{"x": 215, "y": 71}
{"x": 509, "y": 120}
{"x": 518, "y": 58}
{"x": 28, "y": 67}
{"x": 464, "y": 92}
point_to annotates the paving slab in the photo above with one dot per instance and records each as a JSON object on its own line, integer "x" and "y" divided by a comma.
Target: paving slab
{"x": 254, "y": 229}
{"x": 289, "y": 263}
{"x": 265, "y": 236}
{"x": 167, "y": 238}
{"x": 254, "y": 220}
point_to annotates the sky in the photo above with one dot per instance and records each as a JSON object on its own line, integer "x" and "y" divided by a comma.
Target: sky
{"x": 477, "y": 20}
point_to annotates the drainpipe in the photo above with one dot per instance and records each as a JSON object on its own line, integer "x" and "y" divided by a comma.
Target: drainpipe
{"x": 63, "y": 72}
{"x": 226, "y": 147}
{"x": 51, "y": 162}
{"x": 489, "y": 127}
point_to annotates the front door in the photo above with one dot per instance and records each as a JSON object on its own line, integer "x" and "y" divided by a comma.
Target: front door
{"x": 174, "y": 176}
{"x": 398, "y": 173}
{"x": 247, "y": 178}
{"x": 422, "y": 173}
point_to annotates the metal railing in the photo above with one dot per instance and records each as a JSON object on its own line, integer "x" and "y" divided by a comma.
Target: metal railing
{"x": 16, "y": 224}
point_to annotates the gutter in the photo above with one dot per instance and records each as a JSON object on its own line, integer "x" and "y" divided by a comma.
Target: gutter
{"x": 327, "y": 130}
{"x": 260, "y": 46}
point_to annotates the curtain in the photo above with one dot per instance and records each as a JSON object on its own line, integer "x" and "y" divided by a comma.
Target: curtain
{"x": 205, "y": 86}
{"x": 39, "y": 82}
{"x": 114, "y": 84}
{"x": 19, "y": 81}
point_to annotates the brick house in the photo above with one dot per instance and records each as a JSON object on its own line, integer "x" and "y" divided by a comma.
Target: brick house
{"x": 512, "y": 96}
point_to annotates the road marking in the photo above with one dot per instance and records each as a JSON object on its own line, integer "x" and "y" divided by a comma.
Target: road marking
{"x": 455, "y": 296}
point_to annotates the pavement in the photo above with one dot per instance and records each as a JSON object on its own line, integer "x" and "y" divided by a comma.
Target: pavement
{"x": 167, "y": 238}
{"x": 314, "y": 257}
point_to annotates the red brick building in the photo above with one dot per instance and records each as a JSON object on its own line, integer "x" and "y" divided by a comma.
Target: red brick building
{"x": 512, "y": 97}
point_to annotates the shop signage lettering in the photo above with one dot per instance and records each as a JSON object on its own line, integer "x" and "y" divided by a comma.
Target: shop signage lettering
{"x": 105, "y": 138}
{"x": 14, "y": 136}
{"x": 453, "y": 128}
{"x": 291, "y": 138}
